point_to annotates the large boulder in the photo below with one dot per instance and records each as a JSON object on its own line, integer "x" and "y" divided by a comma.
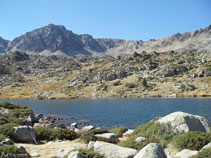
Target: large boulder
{"x": 107, "y": 137}
{"x": 186, "y": 153}
{"x": 184, "y": 122}
{"x": 152, "y": 150}
{"x": 24, "y": 134}
{"x": 113, "y": 151}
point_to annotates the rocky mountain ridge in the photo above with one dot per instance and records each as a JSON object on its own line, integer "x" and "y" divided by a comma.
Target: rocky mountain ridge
{"x": 3, "y": 45}
{"x": 56, "y": 40}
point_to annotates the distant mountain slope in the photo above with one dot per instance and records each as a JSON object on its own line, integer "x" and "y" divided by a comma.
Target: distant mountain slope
{"x": 3, "y": 45}
{"x": 55, "y": 39}
{"x": 199, "y": 40}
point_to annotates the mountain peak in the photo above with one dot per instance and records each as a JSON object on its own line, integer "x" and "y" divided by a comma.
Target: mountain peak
{"x": 53, "y": 26}
{"x": 56, "y": 39}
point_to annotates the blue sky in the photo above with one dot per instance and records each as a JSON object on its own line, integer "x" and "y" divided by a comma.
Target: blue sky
{"x": 125, "y": 19}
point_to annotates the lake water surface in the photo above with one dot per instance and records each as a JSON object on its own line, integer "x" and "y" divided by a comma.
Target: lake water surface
{"x": 110, "y": 113}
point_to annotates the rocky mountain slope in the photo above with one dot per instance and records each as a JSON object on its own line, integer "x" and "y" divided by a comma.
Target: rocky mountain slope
{"x": 167, "y": 74}
{"x": 3, "y": 45}
{"x": 197, "y": 41}
{"x": 56, "y": 40}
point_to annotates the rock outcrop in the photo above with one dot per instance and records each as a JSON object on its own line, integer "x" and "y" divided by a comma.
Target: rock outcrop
{"x": 107, "y": 137}
{"x": 184, "y": 122}
{"x": 113, "y": 151}
{"x": 152, "y": 150}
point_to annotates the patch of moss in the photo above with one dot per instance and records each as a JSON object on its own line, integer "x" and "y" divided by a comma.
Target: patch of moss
{"x": 119, "y": 131}
{"x": 193, "y": 140}
{"x": 48, "y": 134}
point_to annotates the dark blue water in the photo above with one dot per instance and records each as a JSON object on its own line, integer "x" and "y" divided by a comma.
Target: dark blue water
{"x": 117, "y": 112}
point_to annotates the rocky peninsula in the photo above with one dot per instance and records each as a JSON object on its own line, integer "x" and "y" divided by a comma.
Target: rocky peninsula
{"x": 26, "y": 134}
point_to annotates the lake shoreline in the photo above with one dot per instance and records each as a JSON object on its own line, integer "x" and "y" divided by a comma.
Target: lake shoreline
{"x": 114, "y": 97}
{"x": 125, "y": 111}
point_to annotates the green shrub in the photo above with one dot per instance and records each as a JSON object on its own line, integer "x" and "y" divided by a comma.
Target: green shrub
{"x": 48, "y": 134}
{"x": 16, "y": 110}
{"x": 2, "y": 137}
{"x": 65, "y": 134}
{"x": 117, "y": 83}
{"x": 103, "y": 87}
{"x": 206, "y": 153}
{"x": 3, "y": 120}
{"x": 193, "y": 140}
{"x": 119, "y": 131}
{"x": 9, "y": 149}
{"x": 154, "y": 132}
{"x": 90, "y": 135}
{"x": 131, "y": 143}
{"x": 144, "y": 83}
{"x": 152, "y": 129}
{"x": 7, "y": 129}
{"x": 130, "y": 85}
{"x": 6, "y": 119}
{"x": 90, "y": 153}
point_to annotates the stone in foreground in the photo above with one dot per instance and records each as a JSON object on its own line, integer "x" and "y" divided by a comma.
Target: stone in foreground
{"x": 129, "y": 132}
{"x": 87, "y": 128}
{"x": 152, "y": 150}
{"x": 63, "y": 153}
{"x": 76, "y": 154}
{"x": 140, "y": 139}
{"x": 113, "y": 151}
{"x": 184, "y": 122}
{"x": 186, "y": 153}
{"x": 24, "y": 134}
{"x": 107, "y": 137}
{"x": 208, "y": 146}
{"x": 91, "y": 145}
